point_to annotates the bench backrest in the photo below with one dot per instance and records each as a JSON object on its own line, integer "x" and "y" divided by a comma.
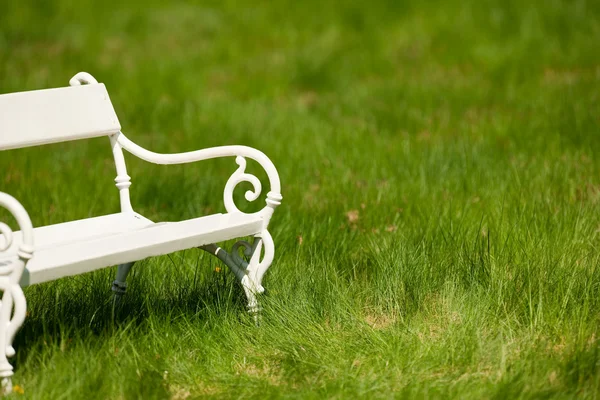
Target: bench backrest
{"x": 56, "y": 115}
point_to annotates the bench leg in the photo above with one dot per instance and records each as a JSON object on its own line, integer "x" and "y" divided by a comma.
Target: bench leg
{"x": 119, "y": 286}
{"x": 10, "y": 322}
{"x": 13, "y": 307}
{"x": 250, "y": 274}
{"x": 252, "y": 280}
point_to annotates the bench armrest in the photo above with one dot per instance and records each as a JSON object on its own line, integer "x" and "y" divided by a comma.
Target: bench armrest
{"x": 25, "y": 250}
{"x": 240, "y": 152}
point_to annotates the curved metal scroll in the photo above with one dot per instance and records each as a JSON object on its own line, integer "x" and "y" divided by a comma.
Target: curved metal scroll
{"x": 13, "y": 307}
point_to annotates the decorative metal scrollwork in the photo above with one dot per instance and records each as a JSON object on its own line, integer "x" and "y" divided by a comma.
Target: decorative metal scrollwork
{"x": 7, "y": 236}
{"x": 13, "y": 306}
{"x": 262, "y": 251}
{"x": 249, "y": 273}
{"x": 236, "y": 178}
{"x": 235, "y": 254}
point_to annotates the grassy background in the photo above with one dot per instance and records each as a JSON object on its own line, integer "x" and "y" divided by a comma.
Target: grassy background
{"x": 439, "y": 231}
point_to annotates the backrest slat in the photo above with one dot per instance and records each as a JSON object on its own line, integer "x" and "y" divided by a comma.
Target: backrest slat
{"x": 56, "y": 115}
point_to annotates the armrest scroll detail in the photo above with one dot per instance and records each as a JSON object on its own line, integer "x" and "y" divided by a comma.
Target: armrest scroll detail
{"x": 240, "y": 153}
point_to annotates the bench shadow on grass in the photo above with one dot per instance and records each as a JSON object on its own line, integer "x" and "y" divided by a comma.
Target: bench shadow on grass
{"x": 84, "y": 305}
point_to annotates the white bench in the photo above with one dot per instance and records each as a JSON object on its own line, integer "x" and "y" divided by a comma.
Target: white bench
{"x": 36, "y": 255}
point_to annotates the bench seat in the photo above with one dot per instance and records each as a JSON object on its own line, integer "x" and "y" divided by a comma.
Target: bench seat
{"x": 85, "y": 245}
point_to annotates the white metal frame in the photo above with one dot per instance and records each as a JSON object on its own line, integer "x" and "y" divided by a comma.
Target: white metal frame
{"x": 260, "y": 252}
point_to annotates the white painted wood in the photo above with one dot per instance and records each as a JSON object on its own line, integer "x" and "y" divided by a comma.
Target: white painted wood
{"x": 83, "y": 230}
{"x": 67, "y": 259}
{"x": 56, "y": 115}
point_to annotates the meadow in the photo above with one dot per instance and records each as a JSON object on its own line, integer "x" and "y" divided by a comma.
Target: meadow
{"x": 440, "y": 228}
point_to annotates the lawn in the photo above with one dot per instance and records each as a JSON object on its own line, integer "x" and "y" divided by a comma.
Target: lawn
{"x": 440, "y": 228}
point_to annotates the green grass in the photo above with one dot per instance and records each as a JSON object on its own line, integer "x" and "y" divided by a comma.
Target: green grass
{"x": 463, "y": 134}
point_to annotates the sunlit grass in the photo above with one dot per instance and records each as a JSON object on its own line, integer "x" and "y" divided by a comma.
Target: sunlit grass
{"x": 439, "y": 231}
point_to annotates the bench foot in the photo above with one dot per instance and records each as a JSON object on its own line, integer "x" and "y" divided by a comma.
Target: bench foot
{"x": 250, "y": 273}
{"x": 119, "y": 286}
{"x": 6, "y": 386}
